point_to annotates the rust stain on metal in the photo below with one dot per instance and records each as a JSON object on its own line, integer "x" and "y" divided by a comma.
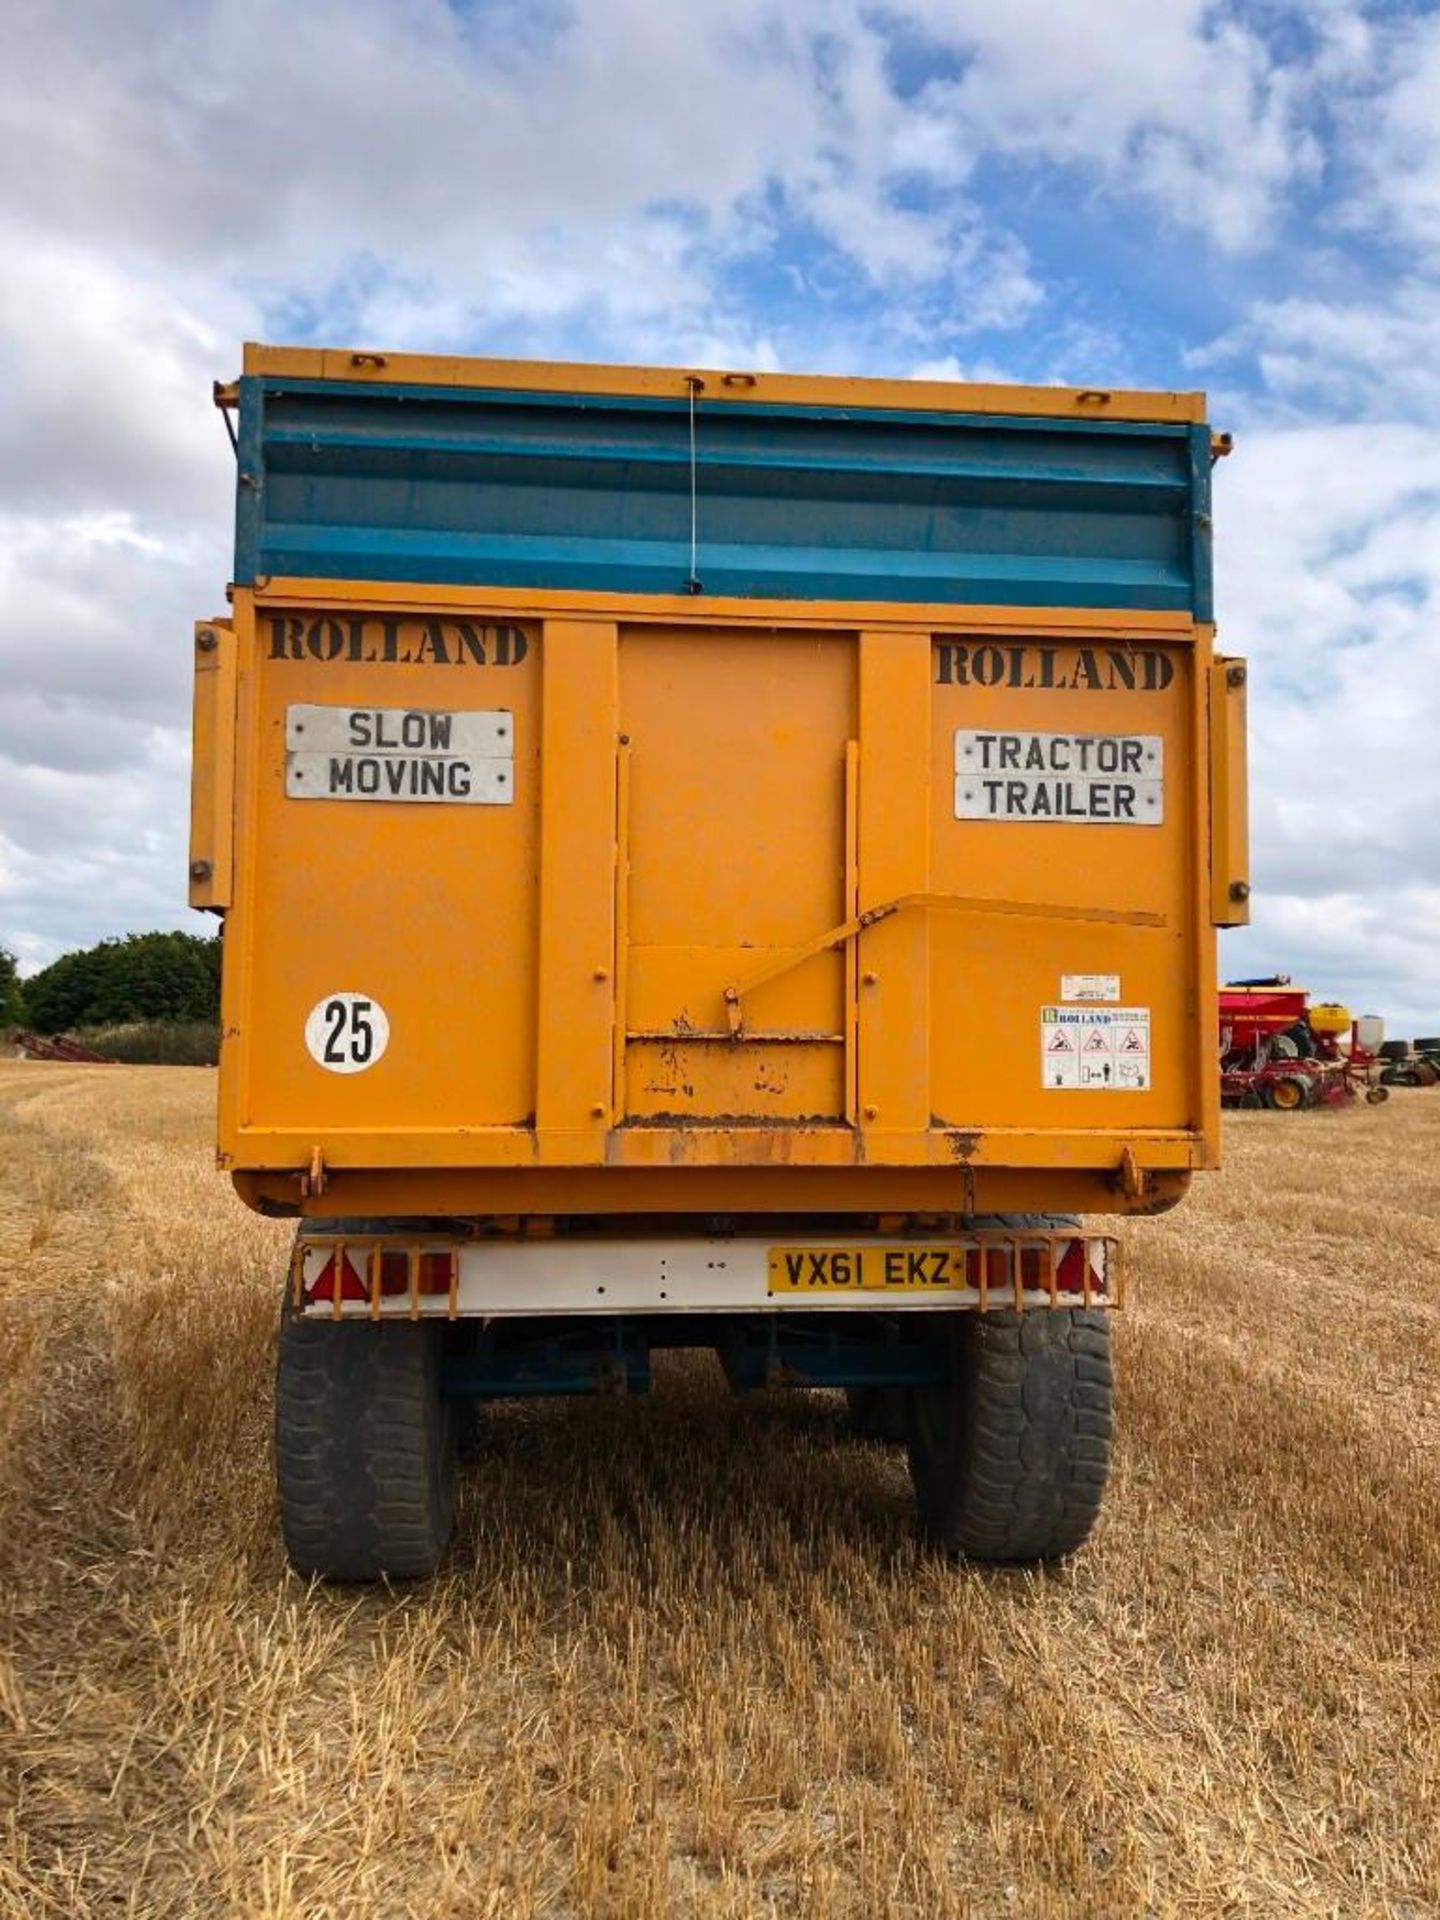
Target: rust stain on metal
{"x": 1130, "y": 1177}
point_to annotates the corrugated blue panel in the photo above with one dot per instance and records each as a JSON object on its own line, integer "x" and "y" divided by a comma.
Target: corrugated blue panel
{"x": 587, "y": 492}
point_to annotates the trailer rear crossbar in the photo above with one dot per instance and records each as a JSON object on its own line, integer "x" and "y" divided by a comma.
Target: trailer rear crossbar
{"x": 392, "y": 1276}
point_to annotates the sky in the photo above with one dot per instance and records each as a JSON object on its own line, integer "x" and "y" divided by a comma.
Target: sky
{"x": 1243, "y": 197}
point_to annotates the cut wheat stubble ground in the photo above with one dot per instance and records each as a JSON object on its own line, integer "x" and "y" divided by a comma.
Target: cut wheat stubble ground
{"x": 688, "y": 1656}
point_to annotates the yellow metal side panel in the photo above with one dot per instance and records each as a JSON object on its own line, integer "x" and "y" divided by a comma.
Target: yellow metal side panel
{"x": 622, "y": 931}
{"x": 736, "y": 855}
{"x": 212, "y": 770}
{"x": 783, "y": 777}
{"x": 894, "y": 859}
{"x": 684, "y": 610}
{"x": 745, "y": 1083}
{"x": 576, "y": 974}
{"x": 1204, "y": 1005}
{"x": 993, "y": 973}
{"x": 428, "y": 909}
{"x": 237, "y": 951}
{"x": 1229, "y": 796}
{"x": 545, "y": 376}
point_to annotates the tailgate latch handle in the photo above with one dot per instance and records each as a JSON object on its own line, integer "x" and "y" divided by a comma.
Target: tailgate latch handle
{"x": 945, "y": 902}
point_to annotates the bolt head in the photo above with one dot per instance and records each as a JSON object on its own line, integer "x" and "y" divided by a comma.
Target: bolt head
{"x": 205, "y": 640}
{"x": 201, "y": 870}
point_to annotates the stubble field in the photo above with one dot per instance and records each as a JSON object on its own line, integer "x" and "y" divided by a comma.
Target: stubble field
{"x": 688, "y": 1656}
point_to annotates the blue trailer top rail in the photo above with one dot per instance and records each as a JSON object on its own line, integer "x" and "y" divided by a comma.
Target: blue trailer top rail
{"x": 399, "y": 481}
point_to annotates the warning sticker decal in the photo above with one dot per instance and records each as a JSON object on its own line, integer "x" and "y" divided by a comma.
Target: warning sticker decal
{"x": 1089, "y": 986}
{"x": 1095, "y": 1048}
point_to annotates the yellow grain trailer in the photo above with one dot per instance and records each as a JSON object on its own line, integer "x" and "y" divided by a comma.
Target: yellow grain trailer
{"x": 710, "y": 859}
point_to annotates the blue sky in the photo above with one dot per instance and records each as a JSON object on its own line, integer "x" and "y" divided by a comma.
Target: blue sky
{"x": 1242, "y": 196}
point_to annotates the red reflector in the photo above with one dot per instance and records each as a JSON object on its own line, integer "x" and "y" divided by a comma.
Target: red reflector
{"x": 1070, "y": 1268}
{"x": 1034, "y": 1268}
{"x": 323, "y": 1286}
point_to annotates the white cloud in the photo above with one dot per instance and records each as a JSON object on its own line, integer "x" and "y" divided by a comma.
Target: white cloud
{"x": 1181, "y": 103}
{"x": 106, "y": 369}
{"x": 1375, "y": 956}
{"x": 95, "y": 614}
{"x": 1395, "y": 137}
{"x": 1330, "y": 582}
{"x": 281, "y": 145}
{"x": 1378, "y": 357}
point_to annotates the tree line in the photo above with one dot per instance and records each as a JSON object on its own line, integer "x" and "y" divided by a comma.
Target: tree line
{"x": 139, "y": 977}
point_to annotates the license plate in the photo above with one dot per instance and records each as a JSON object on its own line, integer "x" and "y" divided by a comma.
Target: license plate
{"x": 867, "y": 1269}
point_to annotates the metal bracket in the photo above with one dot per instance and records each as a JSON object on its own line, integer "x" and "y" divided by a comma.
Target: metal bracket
{"x": 314, "y": 1180}
{"x": 1131, "y": 1176}
{"x": 943, "y": 902}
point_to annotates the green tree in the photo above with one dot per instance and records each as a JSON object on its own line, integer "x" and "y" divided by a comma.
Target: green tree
{"x": 12, "y": 998}
{"x": 144, "y": 976}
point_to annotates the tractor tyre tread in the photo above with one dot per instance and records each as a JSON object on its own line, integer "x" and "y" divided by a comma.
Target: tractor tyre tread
{"x": 364, "y": 1448}
{"x": 1022, "y": 1468}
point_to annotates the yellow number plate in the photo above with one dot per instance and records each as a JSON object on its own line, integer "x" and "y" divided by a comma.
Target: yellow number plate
{"x": 866, "y": 1269}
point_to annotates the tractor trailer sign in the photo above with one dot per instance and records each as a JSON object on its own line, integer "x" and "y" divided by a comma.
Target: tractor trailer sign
{"x": 1089, "y": 779}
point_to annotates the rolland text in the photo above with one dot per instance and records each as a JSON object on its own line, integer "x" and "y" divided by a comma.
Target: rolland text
{"x": 1092, "y": 669}
{"x": 402, "y": 643}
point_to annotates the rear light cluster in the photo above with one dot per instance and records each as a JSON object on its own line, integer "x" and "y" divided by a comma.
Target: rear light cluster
{"x": 995, "y": 1264}
{"x": 356, "y": 1275}
{"x": 435, "y": 1271}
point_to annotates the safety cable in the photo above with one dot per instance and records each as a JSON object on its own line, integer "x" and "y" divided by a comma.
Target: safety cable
{"x": 693, "y": 583}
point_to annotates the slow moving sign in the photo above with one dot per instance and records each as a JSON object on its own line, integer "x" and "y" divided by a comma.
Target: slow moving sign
{"x": 400, "y": 754}
{"x": 1088, "y": 779}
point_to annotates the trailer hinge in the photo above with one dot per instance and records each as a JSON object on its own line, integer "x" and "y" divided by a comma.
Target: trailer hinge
{"x": 315, "y": 1179}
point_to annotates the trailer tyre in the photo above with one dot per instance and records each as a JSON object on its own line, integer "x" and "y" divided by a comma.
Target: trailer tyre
{"x": 1010, "y": 1458}
{"x": 364, "y": 1448}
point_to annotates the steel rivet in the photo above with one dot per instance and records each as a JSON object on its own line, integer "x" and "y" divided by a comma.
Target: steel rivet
{"x": 871, "y": 1112}
{"x": 200, "y": 869}
{"x": 205, "y": 641}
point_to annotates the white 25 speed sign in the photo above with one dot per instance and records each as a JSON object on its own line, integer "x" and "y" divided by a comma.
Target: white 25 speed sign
{"x": 347, "y": 1032}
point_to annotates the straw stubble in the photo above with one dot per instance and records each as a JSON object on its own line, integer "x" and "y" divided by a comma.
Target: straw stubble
{"x": 687, "y": 1656}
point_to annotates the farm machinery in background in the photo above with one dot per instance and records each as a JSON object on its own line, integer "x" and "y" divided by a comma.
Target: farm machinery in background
{"x": 1277, "y": 1050}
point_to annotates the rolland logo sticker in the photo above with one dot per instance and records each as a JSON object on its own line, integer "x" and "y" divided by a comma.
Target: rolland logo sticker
{"x": 403, "y": 643}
